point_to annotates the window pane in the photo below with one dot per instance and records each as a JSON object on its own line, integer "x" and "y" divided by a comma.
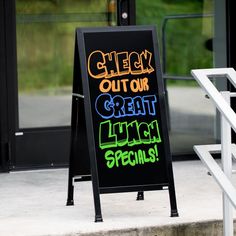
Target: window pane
{"x": 45, "y": 50}
{"x": 185, "y": 31}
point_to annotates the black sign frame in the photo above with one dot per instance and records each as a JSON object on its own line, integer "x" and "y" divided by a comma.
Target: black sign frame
{"x": 82, "y": 137}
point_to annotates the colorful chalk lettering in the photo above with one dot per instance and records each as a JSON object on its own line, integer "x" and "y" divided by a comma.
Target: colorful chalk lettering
{"x": 107, "y": 65}
{"x": 124, "y": 85}
{"x": 130, "y": 134}
{"x": 108, "y": 106}
{"x": 131, "y": 158}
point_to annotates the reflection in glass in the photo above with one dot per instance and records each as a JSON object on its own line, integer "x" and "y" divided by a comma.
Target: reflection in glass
{"x": 192, "y": 118}
{"x": 45, "y": 51}
{"x": 186, "y": 45}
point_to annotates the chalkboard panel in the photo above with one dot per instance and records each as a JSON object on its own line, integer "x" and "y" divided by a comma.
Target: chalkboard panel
{"x": 126, "y": 92}
{"x": 124, "y": 104}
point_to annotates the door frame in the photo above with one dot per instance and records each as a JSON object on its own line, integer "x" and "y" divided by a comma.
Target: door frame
{"x": 8, "y": 87}
{"x": 231, "y": 48}
{"x": 4, "y": 139}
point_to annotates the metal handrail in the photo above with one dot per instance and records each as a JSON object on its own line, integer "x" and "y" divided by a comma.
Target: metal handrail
{"x": 228, "y": 121}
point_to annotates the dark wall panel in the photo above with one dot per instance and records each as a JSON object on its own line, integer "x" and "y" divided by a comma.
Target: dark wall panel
{"x": 36, "y": 149}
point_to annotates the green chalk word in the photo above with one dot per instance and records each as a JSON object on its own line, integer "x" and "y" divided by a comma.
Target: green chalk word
{"x": 131, "y": 158}
{"x": 123, "y": 133}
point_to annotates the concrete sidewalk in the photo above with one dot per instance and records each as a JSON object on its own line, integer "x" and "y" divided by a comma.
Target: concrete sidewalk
{"x": 33, "y": 203}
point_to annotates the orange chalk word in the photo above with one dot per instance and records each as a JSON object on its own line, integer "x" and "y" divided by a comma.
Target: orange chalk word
{"x": 124, "y": 85}
{"x": 113, "y": 85}
{"x": 108, "y": 65}
{"x": 139, "y": 85}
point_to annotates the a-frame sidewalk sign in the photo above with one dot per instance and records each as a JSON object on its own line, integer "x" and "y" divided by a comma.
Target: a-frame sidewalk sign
{"x": 119, "y": 130}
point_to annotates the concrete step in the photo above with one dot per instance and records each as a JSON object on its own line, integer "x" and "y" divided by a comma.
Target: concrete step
{"x": 32, "y": 203}
{"x": 205, "y": 228}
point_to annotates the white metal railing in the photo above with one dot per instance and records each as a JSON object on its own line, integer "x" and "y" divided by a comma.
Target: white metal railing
{"x": 228, "y": 120}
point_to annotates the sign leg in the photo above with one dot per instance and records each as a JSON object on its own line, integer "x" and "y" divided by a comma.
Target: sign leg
{"x": 70, "y": 196}
{"x": 97, "y": 204}
{"x": 140, "y": 196}
{"x": 173, "y": 204}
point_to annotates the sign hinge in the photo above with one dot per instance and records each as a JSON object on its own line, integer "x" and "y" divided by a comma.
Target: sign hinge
{"x": 19, "y": 133}
{"x": 78, "y": 95}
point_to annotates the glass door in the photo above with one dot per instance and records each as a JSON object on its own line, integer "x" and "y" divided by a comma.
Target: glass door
{"x": 45, "y": 34}
{"x": 186, "y": 32}
{"x": 45, "y": 48}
